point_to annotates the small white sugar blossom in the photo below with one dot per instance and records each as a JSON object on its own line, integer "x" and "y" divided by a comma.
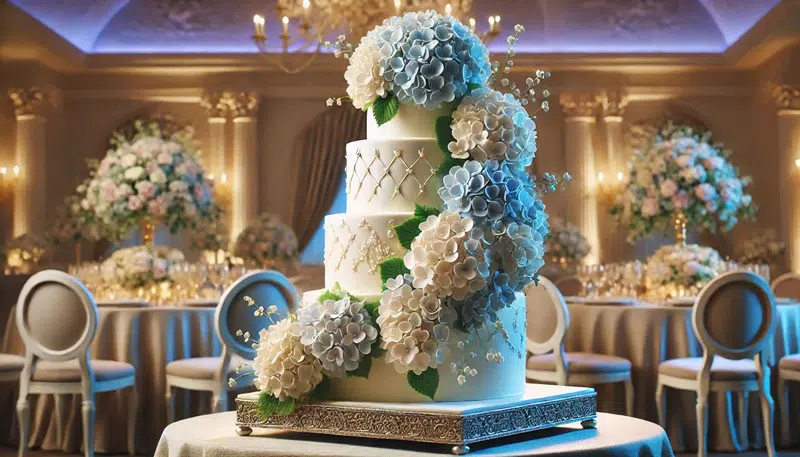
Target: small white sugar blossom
{"x": 409, "y": 330}
{"x": 284, "y": 367}
{"x": 339, "y": 332}
{"x": 364, "y": 75}
{"x": 447, "y": 258}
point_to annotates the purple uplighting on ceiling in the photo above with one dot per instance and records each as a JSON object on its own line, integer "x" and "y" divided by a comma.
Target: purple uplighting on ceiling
{"x": 553, "y": 26}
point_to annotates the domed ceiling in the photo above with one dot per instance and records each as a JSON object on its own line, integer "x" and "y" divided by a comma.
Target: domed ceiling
{"x": 553, "y": 26}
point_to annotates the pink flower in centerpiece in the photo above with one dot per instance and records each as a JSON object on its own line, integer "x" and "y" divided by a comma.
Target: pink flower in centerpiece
{"x": 691, "y": 268}
{"x": 668, "y": 188}
{"x": 190, "y": 167}
{"x": 146, "y": 189}
{"x": 201, "y": 194}
{"x": 124, "y": 191}
{"x": 705, "y": 192}
{"x": 158, "y": 206}
{"x": 680, "y": 200}
{"x": 135, "y": 202}
{"x": 108, "y": 191}
{"x": 164, "y": 158}
{"x": 711, "y": 206}
{"x": 649, "y": 207}
{"x": 105, "y": 165}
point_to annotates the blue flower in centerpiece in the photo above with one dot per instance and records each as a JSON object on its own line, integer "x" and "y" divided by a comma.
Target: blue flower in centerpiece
{"x": 493, "y": 195}
{"x": 429, "y": 59}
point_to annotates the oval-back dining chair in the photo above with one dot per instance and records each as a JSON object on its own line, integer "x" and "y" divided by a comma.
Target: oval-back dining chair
{"x": 547, "y": 325}
{"x": 734, "y": 320}
{"x": 57, "y": 320}
{"x": 210, "y": 374}
{"x": 787, "y": 285}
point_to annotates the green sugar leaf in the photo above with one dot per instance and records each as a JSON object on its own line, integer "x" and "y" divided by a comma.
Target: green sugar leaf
{"x": 384, "y": 109}
{"x": 425, "y": 211}
{"x": 408, "y": 230}
{"x": 426, "y": 383}
{"x": 444, "y": 133}
{"x": 391, "y": 268}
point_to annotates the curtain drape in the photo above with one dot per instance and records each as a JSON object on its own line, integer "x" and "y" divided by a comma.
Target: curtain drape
{"x": 319, "y": 163}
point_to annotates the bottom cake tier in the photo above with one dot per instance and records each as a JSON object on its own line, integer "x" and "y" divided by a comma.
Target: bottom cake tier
{"x": 492, "y": 379}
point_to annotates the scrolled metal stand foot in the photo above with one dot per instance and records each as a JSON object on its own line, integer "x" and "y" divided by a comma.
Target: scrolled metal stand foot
{"x": 242, "y": 430}
{"x": 589, "y": 423}
{"x": 460, "y": 450}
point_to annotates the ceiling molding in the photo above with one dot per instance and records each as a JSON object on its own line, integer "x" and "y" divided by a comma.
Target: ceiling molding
{"x": 775, "y": 31}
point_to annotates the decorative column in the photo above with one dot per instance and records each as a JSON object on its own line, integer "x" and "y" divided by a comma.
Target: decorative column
{"x": 244, "y": 173}
{"x": 788, "y": 101}
{"x": 614, "y": 168}
{"x": 30, "y": 212}
{"x": 216, "y": 105}
{"x": 580, "y": 111}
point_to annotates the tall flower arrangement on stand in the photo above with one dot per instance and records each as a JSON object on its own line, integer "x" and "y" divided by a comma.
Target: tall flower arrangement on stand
{"x": 685, "y": 174}
{"x": 151, "y": 177}
{"x": 467, "y": 260}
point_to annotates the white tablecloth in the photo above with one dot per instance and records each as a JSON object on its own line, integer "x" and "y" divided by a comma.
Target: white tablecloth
{"x": 146, "y": 337}
{"x": 648, "y": 334}
{"x": 214, "y": 435}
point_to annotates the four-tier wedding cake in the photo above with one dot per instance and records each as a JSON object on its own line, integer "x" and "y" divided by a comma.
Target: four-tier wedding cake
{"x": 444, "y": 230}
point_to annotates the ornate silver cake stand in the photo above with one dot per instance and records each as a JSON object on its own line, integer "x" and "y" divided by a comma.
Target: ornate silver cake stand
{"x": 457, "y": 424}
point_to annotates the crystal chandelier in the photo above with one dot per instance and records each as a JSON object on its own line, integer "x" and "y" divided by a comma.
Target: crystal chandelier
{"x": 310, "y": 21}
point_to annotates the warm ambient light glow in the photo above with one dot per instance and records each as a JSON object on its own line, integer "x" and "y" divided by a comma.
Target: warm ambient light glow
{"x": 223, "y": 178}
{"x": 16, "y": 170}
{"x": 3, "y": 171}
{"x": 620, "y": 175}
{"x": 306, "y": 4}
{"x": 797, "y": 163}
{"x": 285, "y": 21}
{"x": 601, "y": 176}
{"x": 448, "y": 9}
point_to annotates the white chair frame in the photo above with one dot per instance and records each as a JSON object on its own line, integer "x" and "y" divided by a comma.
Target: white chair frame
{"x": 218, "y": 385}
{"x": 87, "y": 387}
{"x": 561, "y": 376}
{"x": 784, "y": 377}
{"x": 786, "y": 277}
{"x": 703, "y": 384}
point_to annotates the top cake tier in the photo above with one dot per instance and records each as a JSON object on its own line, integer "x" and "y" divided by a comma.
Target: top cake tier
{"x": 409, "y": 122}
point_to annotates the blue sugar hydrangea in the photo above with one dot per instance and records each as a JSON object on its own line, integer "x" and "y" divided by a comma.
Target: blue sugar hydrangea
{"x": 429, "y": 59}
{"x": 494, "y": 195}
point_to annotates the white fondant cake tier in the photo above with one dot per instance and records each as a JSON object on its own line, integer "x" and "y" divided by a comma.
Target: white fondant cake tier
{"x": 355, "y": 245}
{"x": 409, "y": 122}
{"x": 390, "y": 175}
{"x": 493, "y": 380}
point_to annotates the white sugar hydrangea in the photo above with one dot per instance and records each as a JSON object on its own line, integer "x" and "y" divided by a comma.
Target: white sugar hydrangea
{"x": 490, "y": 125}
{"x": 284, "y": 367}
{"x": 339, "y": 332}
{"x": 364, "y": 75}
{"x": 447, "y": 258}
{"x": 410, "y": 333}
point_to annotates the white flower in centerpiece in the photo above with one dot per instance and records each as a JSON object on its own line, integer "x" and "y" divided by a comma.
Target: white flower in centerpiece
{"x": 364, "y": 75}
{"x": 128, "y": 160}
{"x": 158, "y": 177}
{"x": 339, "y": 332}
{"x": 284, "y": 367}
{"x": 133, "y": 174}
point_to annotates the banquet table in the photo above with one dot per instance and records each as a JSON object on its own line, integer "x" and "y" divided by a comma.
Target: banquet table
{"x": 213, "y": 435}
{"x": 648, "y": 334}
{"x": 147, "y": 337}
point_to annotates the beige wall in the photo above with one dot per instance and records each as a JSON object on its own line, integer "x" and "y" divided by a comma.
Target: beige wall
{"x": 731, "y": 102}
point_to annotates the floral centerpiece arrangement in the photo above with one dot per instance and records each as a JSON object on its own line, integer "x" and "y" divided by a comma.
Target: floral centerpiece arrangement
{"x": 149, "y": 176}
{"x": 683, "y": 174}
{"x": 267, "y": 242}
{"x": 566, "y": 243}
{"x": 681, "y": 270}
{"x": 763, "y": 248}
{"x": 467, "y": 260}
{"x": 140, "y": 266}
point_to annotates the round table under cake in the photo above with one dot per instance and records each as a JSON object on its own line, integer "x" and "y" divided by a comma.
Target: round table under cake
{"x": 215, "y": 434}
